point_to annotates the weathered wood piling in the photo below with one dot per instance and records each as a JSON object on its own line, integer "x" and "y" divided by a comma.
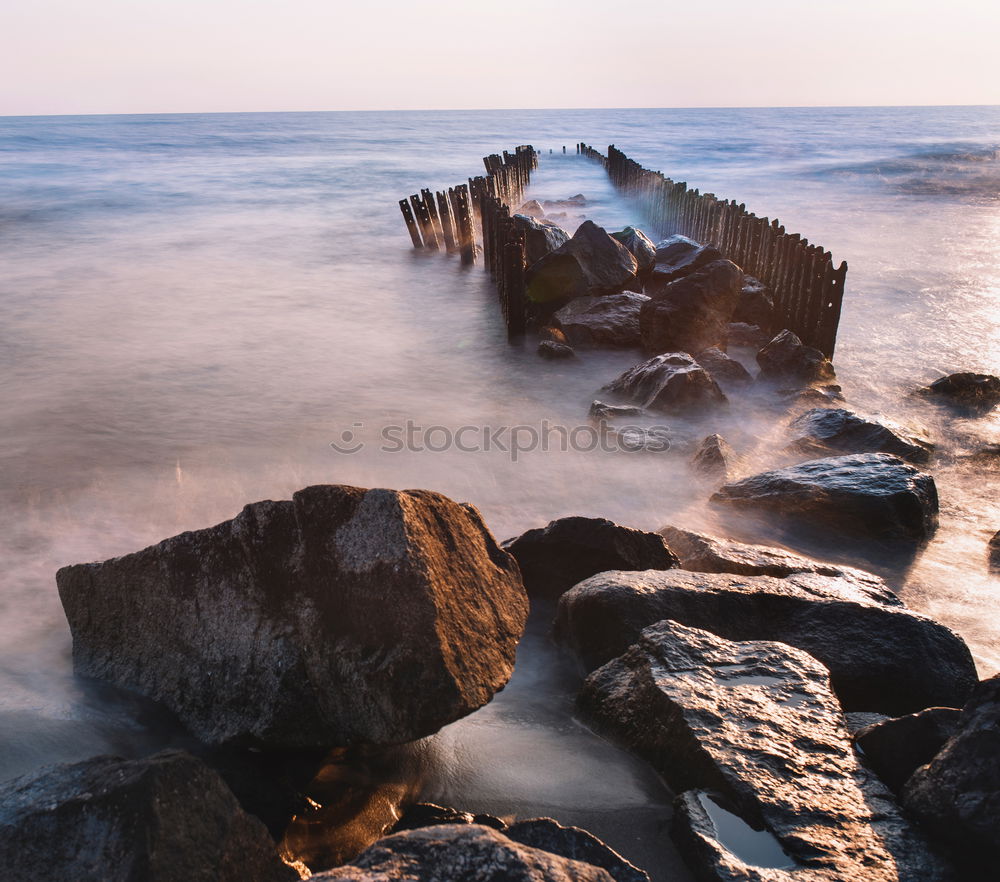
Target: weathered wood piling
{"x": 808, "y": 289}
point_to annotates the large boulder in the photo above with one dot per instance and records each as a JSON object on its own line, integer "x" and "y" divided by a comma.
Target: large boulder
{"x": 670, "y": 382}
{"x": 977, "y": 392}
{"x": 693, "y": 312}
{"x": 554, "y": 558}
{"x": 589, "y": 264}
{"x": 726, "y": 371}
{"x": 834, "y": 429}
{"x": 343, "y": 616}
{"x": 168, "y": 818}
{"x": 874, "y": 498}
{"x": 677, "y": 257}
{"x": 785, "y": 358}
{"x": 612, "y": 320}
{"x": 881, "y": 656}
{"x": 755, "y": 306}
{"x": 541, "y": 237}
{"x": 462, "y": 851}
{"x": 757, "y": 724}
{"x": 897, "y": 747}
{"x": 957, "y": 794}
{"x": 641, "y": 248}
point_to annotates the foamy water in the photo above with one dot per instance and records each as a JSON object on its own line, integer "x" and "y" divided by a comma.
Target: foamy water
{"x": 193, "y": 307}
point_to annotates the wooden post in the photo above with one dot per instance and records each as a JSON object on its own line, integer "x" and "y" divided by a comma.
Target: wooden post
{"x": 424, "y": 219}
{"x": 411, "y": 224}
{"x": 446, "y": 227}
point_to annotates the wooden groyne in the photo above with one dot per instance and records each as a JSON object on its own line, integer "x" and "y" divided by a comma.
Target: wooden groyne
{"x": 807, "y": 288}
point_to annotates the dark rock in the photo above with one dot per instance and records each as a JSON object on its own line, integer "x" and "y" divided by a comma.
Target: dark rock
{"x": 809, "y": 397}
{"x": 786, "y": 357}
{"x": 532, "y": 208}
{"x": 540, "y": 237}
{"x": 692, "y": 313}
{"x": 554, "y": 558}
{"x": 755, "y": 306}
{"x": 857, "y": 720}
{"x": 957, "y": 794}
{"x": 427, "y": 814}
{"x": 726, "y": 371}
{"x": 708, "y": 554}
{"x": 977, "y": 392}
{"x": 896, "y": 747}
{"x": 551, "y": 349}
{"x": 670, "y": 382}
{"x": 342, "y": 616}
{"x": 601, "y": 411}
{"x": 589, "y": 264}
{"x": 641, "y": 248}
{"x": 165, "y": 818}
{"x": 742, "y": 334}
{"x": 548, "y": 835}
{"x": 577, "y": 201}
{"x": 826, "y": 429}
{"x": 882, "y": 657}
{"x": 757, "y": 723}
{"x": 460, "y": 852}
{"x": 611, "y": 320}
{"x": 873, "y": 497}
{"x": 715, "y": 459}
{"x": 677, "y": 257}
{"x": 994, "y": 551}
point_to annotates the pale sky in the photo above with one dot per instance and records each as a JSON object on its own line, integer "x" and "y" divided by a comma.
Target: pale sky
{"x": 159, "y": 56}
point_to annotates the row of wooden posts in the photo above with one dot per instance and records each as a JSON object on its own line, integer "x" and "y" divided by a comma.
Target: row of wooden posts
{"x": 449, "y": 219}
{"x": 807, "y": 288}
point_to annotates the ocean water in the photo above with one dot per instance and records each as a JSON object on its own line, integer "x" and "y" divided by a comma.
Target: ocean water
{"x": 192, "y": 308}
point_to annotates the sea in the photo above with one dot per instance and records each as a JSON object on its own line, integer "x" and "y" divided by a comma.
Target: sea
{"x": 201, "y": 311}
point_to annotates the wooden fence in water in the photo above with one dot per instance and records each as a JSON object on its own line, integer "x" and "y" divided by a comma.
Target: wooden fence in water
{"x": 448, "y": 220}
{"x": 807, "y": 288}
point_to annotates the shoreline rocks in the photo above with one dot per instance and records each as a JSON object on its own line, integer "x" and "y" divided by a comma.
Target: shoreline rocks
{"x": 670, "y": 382}
{"x": 611, "y": 320}
{"x": 836, "y": 430}
{"x": 785, "y": 357}
{"x": 978, "y": 393}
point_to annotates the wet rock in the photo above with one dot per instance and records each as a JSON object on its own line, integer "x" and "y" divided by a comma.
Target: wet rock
{"x": 343, "y": 616}
{"x": 427, "y": 814}
{"x": 670, "y": 382}
{"x": 994, "y": 551}
{"x": 825, "y": 429}
{"x": 589, "y": 264}
{"x": 693, "y": 312}
{"x": 757, "y": 723}
{"x": 453, "y": 852}
{"x": 612, "y": 320}
{"x": 726, "y": 371}
{"x": 715, "y": 459}
{"x": 881, "y": 656}
{"x": 641, "y": 248}
{"x": 828, "y": 395}
{"x": 532, "y": 208}
{"x": 977, "y": 392}
{"x": 875, "y": 498}
{"x": 164, "y": 818}
{"x": 677, "y": 257}
{"x": 550, "y": 349}
{"x": 957, "y": 794}
{"x": 548, "y": 835}
{"x": 786, "y": 357}
{"x": 755, "y": 306}
{"x": 555, "y": 557}
{"x": 577, "y": 201}
{"x": 896, "y": 747}
{"x": 742, "y": 334}
{"x": 540, "y": 237}
{"x": 707, "y": 554}
{"x": 601, "y": 411}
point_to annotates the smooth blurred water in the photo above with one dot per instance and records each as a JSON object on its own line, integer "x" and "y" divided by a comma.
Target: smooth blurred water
{"x": 193, "y": 307}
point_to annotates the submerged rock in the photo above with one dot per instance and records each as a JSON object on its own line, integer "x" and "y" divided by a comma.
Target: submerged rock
{"x": 554, "y": 558}
{"x": 978, "y": 392}
{"x": 715, "y": 459}
{"x": 692, "y": 313}
{"x": 540, "y": 237}
{"x": 786, "y": 357}
{"x": 454, "y": 852}
{"x": 957, "y": 794}
{"x": 601, "y": 411}
{"x": 343, "y": 616}
{"x": 551, "y": 349}
{"x": 897, "y": 747}
{"x": 677, "y": 257}
{"x": 881, "y": 656}
{"x": 612, "y": 320}
{"x": 836, "y": 429}
{"x": 642, "y": 249}
{"x": 670, "y": 382}
{"x": 757, "y": 722}
{"x": 165, "y": 818}
{"x": 872, "y": 497}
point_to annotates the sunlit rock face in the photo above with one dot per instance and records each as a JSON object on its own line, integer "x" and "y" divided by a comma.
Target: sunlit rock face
{"x": 881, "y": 656}
{"x": 757, "y": 724}
{"x": 671, "y": 382}
{"x": 786, "y": 359}
{"x": 833, "y": 430}
{"x": 342, "y": 616}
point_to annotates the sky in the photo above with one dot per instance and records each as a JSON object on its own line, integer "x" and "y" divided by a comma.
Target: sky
{"x": 163, "y": 56}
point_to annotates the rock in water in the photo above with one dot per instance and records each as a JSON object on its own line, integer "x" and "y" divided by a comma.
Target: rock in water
{"x": 757, "y": 722}
{"x": 881, "y": 656}
{"x": 548, "y": 835}
{"x": 554, "y": 558}
{"x": 957, "y": 794}
{"x": 993, "y": 549}
{"x": 756, "y": 306}
{"x": 787, "y": 358}
{"x": 161, "y": 819}
{"x": 693, "y": 312}
{"x": 670, "y": 382}
{"x": 897, "y": 747}
{"x": 612, "y": 320}
{"x": 552, "y": 350}
{"x": 541, "y": 237}
{"x": 640, "y": 247}
{"x": 677, "y": 257}
{"x": 343, "y": 616}
{"x": 715, "y": 459}
{"x": 460, "y": 852}
{"x": 872, "y": 497}
{"x": 978, "y": 392}
{"x": 836, "y": 429}
{"x": 726, "y": 371}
